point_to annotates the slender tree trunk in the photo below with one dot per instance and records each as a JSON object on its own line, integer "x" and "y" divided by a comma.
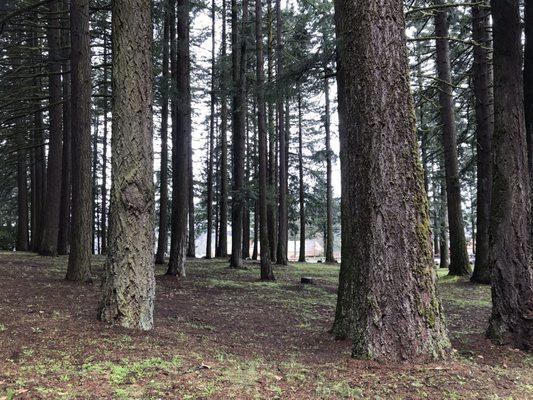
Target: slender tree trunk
{"x": 301, "y": 257}
{"x": 128, "y": 287}
{"x": 191, "y": 233}
{"x": 38, "y": 175}
{"x": 444, "y": 241}
{"x": 50, "y": 233}
{"x": 180, "y": 147}
{"x": 23, "y": 240}
{"x": 162, "y": 240}
{"x": 223, "y": 199}
{"x": 266, "y": 268}
{"x": 459, "y": 263}
{"x": 79, "y": 260}
{"x": 330, "y": 258}
{"x": 510, "y": 226}
{"x": 528, "y": 82}
{"x": 283, "y": 180}
{"x": 103, "y": 217}
{"x": 238, "y": 114}
{"x": 246, "y": 200}
{"x": 484, "y": 126}
{"x": 65, "y": 207}
{"x": 94, "y": 202}
{"x": 386, "y": 243}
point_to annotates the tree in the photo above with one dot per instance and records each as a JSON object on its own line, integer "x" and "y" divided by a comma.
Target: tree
{"x": 180, "y": 147}
{"x": 481, "y": 77}
{"x": 48, "y": 246}
{"x": 329, "y": 191}
{"x": 162, "y": 240}
{"x": 391, "y": 306}
{"x": 23, "y": 241}
{"x": 301, "y": 256}
{"x": 528, "y": 81}
{"x": 266, "y": 268}
{"x": 459, "y": 263}
{"x": 128, "y": 287}
{"x": 510, "y": 225}
{"x": 79, "y": 260}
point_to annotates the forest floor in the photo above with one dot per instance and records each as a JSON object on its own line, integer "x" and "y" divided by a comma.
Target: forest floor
{"x": 222, "y": 334}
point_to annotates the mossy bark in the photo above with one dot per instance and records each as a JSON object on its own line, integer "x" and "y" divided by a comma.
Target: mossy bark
{"x": 390, "y": 300}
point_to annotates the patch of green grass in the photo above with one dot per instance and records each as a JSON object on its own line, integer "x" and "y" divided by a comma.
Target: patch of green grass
{"x": 3, "y": 328}
{"x": 338, "y": 390}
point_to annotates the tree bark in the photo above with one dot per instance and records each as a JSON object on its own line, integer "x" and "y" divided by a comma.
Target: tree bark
{"x": 528, "y": 82}
{"x": 23, "y": 240}
{"x": 444, "y": 240}
{"x": 395, "y": 313}
{"x": 330, "y": 258}
{"x": 50, "y": 233}
{"x": 246, "y": 200}
{"x": 238, "y": 117}
{"x": 162, "y": 239}
{"x": 180, "y": 146}
{"x": 79, "y": 260}
{"x": 103, "y": 217}
{"x": 481, "y": 76}
{"x": 510, "y": 226}
{"x": 301, "y": 257}
{"x": 222, "y": 248}
{"x": 459, "y": 263}
{"x": 128, "y": 287}
{"x": 191, "y": 233}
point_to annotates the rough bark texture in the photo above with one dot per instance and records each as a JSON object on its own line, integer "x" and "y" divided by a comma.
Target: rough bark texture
{"x": 128, "y": 286}
{"x": 386, "y": 242}
{"x": 510, "y": 226}
{"x": 210, "y": 161}
{"x": 48, "y": 245}
{"x": 162, "y": 239}
{"x": 528, "y": 82}
{"x": 38, "y": 193}
{"x": 103, "y": 216}
{"x": 281, "y": 256}
{"x": 484, "y": 125}
{"x": 444, "y": 240}
{"x": 329, "y": 189}
{"x": 180, "y": 147}
{"x": 191, "y": 232}
{"x": 238, "y": 117}
{"x": 301, "y": 256}
{"x": 459, "y": 263}
{"x": 23, "y": 240}
{"x": 79, "y": 260}
{"x": 222, "y": 247}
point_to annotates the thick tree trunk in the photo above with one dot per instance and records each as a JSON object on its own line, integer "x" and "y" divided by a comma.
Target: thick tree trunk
{"x": 222, "y": 248}
{"x": 23, "y": 239}
{"x": 79, "y": 260}
{"x": 238, "y": 114}
{"x": 528, "y": 82}
{"x": 50, "y": 233}
{"x": 281, "y": 256}
{"x": 66, "y": 170}
{"x": 162, "y": 239}
{"x": 386, "y": 244}
{"x": 301, "y": 257}
{"x": 128, "y": 288}
{"x": 459, "y": 263}
{"x": 266, "y": 268}
{"x": 180, "y": 147}
{"x": 510, "y": 226}
{"x": 481, "y": 76}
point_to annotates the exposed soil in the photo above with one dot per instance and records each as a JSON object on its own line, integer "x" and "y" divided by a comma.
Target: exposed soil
{"x": 222, "y": 334}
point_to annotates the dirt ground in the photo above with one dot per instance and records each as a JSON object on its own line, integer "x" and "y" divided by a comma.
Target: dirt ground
{"x": 222, "y": 334}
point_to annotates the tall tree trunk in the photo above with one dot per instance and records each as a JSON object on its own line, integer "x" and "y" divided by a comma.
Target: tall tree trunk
{"x": 222, "y": 248}
{"x": 386, "y": 243}
{"x": 23, "y": 240}
{"x": 180, "y": 147}
{"x": 246, "y": 200}
{"x": 266, "y": 268}
{"x": 162, "y": 239}
{"x": 38, "y": 174}
{"x": 238, "y": 42}
{"x": 481, "y": 75}
{"x": 79, "y": 260}
{"x": 272, "y": 173}
{"x": 65, "y": 206}
{"x": 528, "y": 82}
{"x": 301, "y": 257}
{"x": 94, "y": 202}
{"x": 459, "y": 263}
{"x": 191, "y": 233}
{"x": 208, "y": 247}
{"x": 510, "y": 226}
{"x": 444, "y": 240}
{"x": 128, "y": 287}
{"x": 103, "y": 217}
{"x": 281, "y": 256}
{"x": 50, "y": 233}
{"x": 330, "y": 258}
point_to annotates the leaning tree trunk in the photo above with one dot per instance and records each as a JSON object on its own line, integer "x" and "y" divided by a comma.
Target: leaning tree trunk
{"x": 528, "y": 81}
{"x": 386, "y": 242}
{"x": 301, "y": 256}
{"x": 162, "y": 239}
{"x": 459, "y": 263}
{"x": 79, "y": 260}
{"x": 238, "y": 110}
{"x": 52, "y": 203}
{"x": 510, "y": 226}
{"x": 180, "y": 147}
{"x": 481, "y": 75}
{"x": 128, "y": 287}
